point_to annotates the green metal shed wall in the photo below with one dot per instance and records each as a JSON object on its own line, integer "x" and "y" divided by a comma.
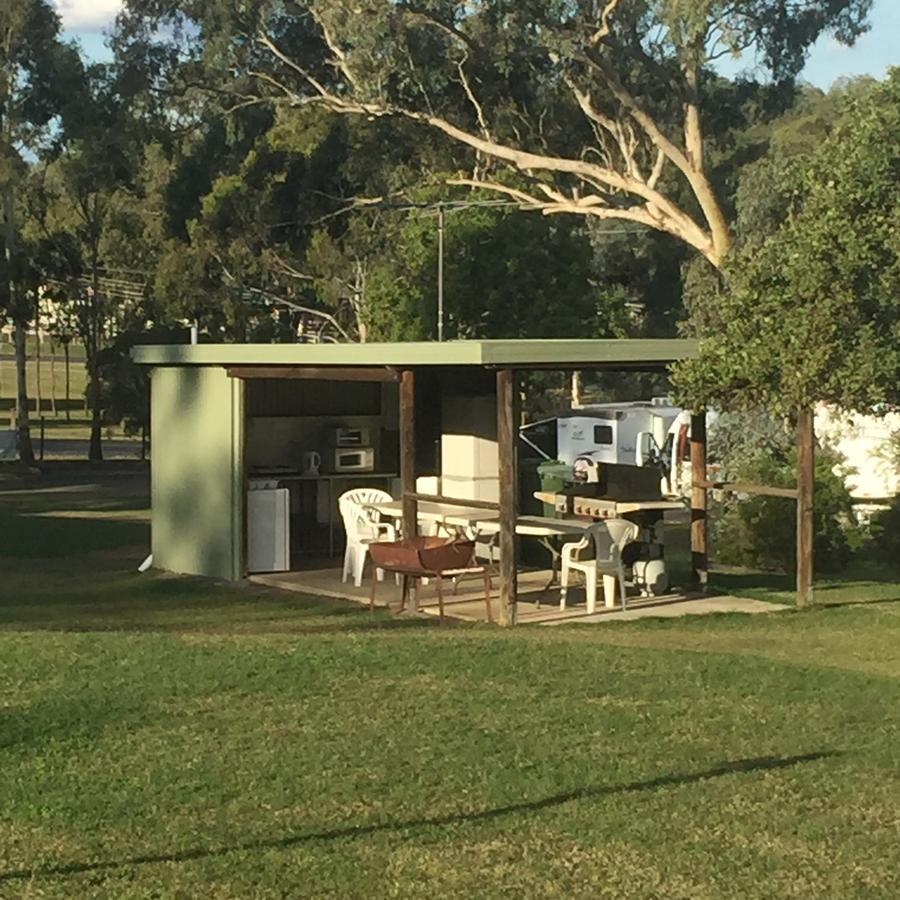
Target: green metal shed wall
{"x": 196, "y": 478}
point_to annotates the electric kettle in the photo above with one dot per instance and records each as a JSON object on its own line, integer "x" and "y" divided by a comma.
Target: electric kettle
{"x": 311, "y": 462}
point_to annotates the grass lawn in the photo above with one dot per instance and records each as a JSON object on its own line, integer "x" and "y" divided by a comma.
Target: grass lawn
{"x": 165, "y": 737}
{"x": 78, "y": 429}
{"x": 78, "y": 425}
{"x": 53, "y": 380}
{"x": 76, "y": 348}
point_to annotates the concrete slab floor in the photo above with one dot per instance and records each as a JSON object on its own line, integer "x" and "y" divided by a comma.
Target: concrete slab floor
{"x": 468, "y": 603}
{"x": 682, "y": 606}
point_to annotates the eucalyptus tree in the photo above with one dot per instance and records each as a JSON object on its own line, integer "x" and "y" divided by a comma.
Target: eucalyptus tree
{"x": 81, "y": 185}
{"x": 589, "y": 107}
{"x": 40, "y": 75}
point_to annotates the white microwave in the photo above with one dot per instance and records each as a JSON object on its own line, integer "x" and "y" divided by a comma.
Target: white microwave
{"x": 354, "y": 459}
{"x": 351, "y": 437}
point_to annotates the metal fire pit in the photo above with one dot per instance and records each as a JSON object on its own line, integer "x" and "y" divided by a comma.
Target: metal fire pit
{"x": 423, "y": 556}
{"x": 427, "y": 557}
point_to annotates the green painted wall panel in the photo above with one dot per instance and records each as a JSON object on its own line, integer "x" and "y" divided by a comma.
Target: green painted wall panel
{"x": 196, "y": 475}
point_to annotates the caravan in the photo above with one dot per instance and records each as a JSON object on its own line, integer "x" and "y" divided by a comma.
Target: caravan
{"x": 656, "y": 433}
{"x": 638, "y": 433}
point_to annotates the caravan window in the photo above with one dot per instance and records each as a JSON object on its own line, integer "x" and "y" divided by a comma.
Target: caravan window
{"x": 603, "y": 435}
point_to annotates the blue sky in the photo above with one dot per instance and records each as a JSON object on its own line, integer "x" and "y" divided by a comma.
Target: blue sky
{"x": 86, "y": 21}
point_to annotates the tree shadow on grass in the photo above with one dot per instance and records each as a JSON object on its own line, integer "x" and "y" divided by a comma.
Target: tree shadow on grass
{"x": 163, "y": 604}
{"x": 38, "y": 537}
{"x": 778, "y": 586}
{"x": 769, "y": 582}
{"x": 838, "y": 604}
{"x": 350, "y": 832}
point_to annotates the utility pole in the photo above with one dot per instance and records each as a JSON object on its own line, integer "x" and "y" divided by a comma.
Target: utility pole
{"x": 440, "y": 287}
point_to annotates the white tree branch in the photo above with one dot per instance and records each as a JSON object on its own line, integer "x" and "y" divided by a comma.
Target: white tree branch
{"x": 605, "y": 23}
{"x": 339, "y": 57}
{"x": 479, "y": 111}
{"x": 657, "y": 171}
{"x": 664, "y": 213}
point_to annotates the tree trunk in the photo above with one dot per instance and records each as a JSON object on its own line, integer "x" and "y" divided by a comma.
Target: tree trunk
{"x": 95, "y": 453}
{"x": 719, "y": 230}
{"x": 806, "y": 481}
{"x": 53, "y": 410}
{"x": 38, "y": 393}
{"x": 68, "y": 381}
{"x": 95, "y": 450}
{"x": 23, "y": 427}
{"x": 359, "y": 295}
{"x": 576, "y": 389}
{"x": 23, "y": 431}
{"x": 91, "y": 350}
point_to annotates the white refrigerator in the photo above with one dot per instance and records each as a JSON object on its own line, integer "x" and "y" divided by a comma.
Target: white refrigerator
{"x": 268, "y": 529}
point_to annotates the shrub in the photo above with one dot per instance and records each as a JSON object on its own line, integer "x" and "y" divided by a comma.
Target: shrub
{"x": 761, "y": 531}
{"x": 884, "y": 532}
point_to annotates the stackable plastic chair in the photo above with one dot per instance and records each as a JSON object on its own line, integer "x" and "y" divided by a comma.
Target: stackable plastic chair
{"x": 607, "y": 538}
{"x": 362, "y": 526}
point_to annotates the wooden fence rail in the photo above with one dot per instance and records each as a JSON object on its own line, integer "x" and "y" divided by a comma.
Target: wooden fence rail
{"x": 740, "y": 487}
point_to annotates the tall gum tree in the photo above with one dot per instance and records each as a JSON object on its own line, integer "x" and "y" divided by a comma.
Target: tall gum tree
{"x": 38, "y": 76}
{"x": 591, "y": 107}
{"x": 80, "y": 188}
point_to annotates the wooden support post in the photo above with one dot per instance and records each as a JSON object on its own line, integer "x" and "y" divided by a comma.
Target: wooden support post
{"x": 699, "y": 497}
{"x": 806, "y": 479}
{"x": 507, "y": 433}
{"x": 408, "y": 452}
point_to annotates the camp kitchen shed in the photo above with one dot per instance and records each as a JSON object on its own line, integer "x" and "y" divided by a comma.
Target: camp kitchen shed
{"x": 332, "y": 416}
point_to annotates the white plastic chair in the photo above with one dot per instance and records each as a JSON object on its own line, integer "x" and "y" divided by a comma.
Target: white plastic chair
{"x": 608, "y": 538}
{"x": 362, "y": 526}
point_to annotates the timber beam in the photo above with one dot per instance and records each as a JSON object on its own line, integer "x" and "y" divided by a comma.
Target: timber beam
{"x": 319, "y": 373}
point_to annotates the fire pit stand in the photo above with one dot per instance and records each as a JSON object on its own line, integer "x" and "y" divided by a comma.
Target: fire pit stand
{"x": 427, "y": 557}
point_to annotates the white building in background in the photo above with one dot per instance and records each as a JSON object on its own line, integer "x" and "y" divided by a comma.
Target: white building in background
{"x": 865, "y": 442}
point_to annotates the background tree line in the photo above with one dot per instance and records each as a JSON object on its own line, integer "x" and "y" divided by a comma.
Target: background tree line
{"x": 272, "y": 171}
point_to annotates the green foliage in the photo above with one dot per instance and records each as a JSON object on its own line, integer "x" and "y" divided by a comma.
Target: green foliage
{"x": 505, "y": 275}
{"x": 124, "y": 385}
{"x": 737, "y": 440}
{"x": 760, "y": 531}
{"x": 884, "y": 537}
{"x": 41, "y": 83}
{"x": 810, "y": 312}
{"x": 466, "y": 87}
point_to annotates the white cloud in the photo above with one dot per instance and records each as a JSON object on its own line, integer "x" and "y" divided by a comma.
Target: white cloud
{"x": 87, "y": 15}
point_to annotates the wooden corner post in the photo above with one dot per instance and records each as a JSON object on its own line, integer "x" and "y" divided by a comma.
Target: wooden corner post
{"x": 408, "y": 452}
{"x": 507, "y": 431}
{"x": 699, "y": 496}
{"x": 806, "y": 479}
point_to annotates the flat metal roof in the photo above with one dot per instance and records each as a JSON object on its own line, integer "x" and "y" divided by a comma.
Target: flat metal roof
{"x": 521, "y": 353}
